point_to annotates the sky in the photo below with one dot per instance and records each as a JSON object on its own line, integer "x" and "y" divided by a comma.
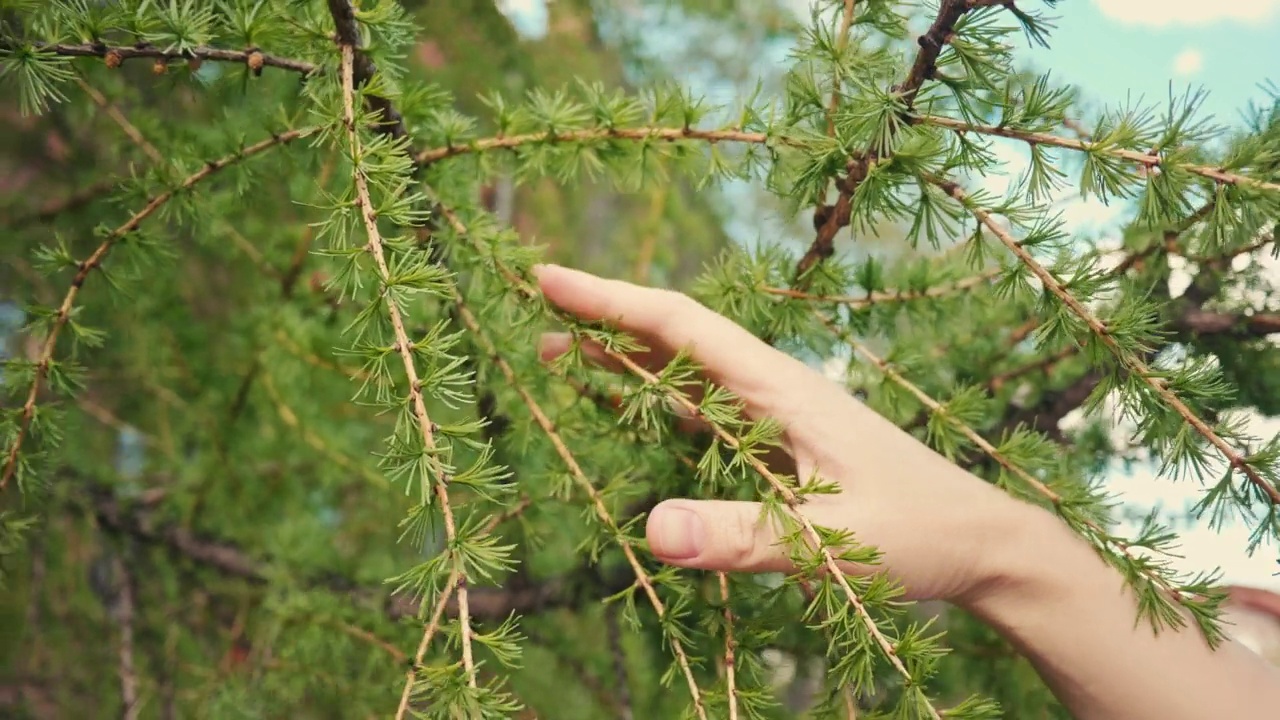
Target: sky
{"x": 1115, "y": 48}
{"x": 1124, "y": 50}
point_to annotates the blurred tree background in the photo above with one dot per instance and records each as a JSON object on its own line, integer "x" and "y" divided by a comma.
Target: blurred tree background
{"x": 214, "y": 526}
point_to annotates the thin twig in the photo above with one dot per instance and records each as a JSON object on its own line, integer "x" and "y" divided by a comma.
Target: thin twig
{"x": 1148, "y": 160}
{"x": 255, "y": 60}
{"x": 437, "y": 612}
{"x": 571, "y": 463}
{"x": 730, "y": 645}
{"x": 403, "y": 347}
{"x": 119, "y": 118}
{"x": 85, "y": 267}
{"x": 666, "y": 134}
{"x": 1132, "y": 363}
{"x": 888, "y": 296}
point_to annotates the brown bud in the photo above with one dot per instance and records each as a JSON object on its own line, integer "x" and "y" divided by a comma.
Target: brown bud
{"x": 160, "y": 67}
{"x": 113, "y": 58}
{"x": 193, "y": 64}
{"x": 254, "y": 61}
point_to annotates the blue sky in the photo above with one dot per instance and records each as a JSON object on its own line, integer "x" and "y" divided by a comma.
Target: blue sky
{"x": 1119, "y": 50}
{"x": 1114, "y": 47}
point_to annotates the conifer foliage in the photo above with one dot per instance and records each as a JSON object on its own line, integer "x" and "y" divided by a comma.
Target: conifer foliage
{"x": 275, "y": 434}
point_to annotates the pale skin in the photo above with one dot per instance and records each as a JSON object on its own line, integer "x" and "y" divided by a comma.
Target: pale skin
{"x": 945, "y": 534}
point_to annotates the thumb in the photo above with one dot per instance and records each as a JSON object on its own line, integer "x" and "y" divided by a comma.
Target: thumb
{"x": 716, "y": 535}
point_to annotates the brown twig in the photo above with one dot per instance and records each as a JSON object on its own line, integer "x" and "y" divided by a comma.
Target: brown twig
{"x": 85, "y": 267}
{"x": 255, "y": 60}
{"x": 828, "y": 220}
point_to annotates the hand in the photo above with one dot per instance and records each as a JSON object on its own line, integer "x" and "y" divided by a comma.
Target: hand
{"x": 937, "y": 526}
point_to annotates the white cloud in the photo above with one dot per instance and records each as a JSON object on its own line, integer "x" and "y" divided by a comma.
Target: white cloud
{"x": 1186, "y": 12}
{"x": 1188, "y": 62}
{"x": 528, "y": 16}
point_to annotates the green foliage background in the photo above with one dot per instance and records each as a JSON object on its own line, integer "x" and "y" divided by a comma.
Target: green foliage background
{"x": 197, "y": 515}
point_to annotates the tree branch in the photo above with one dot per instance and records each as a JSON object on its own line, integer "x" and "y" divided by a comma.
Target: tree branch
{"x": 85, "y": 267}
{"x": 253, "y": 59}
{"x": 1135, "y": 365}
{"x": 828, "y": 220}
{"x": 1148, "y": 160}
{"x": 668, "y": 134}
{"x": 489, "y": 604}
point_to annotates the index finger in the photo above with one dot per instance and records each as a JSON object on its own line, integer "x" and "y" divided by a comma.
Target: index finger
{"x": 769, "y": 380}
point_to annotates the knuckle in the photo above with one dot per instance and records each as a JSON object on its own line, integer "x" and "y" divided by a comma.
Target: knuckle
{"x": 740, "y": 546}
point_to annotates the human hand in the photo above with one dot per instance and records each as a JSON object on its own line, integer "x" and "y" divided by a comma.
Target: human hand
{"x": 938, "y": 527}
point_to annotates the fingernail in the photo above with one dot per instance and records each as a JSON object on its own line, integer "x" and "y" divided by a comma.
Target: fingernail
{"x": 539, "y": 269}
{"x": 676, "y": 533}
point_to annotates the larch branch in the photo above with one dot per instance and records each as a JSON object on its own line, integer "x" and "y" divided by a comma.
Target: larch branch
{"x": 1099, "y": 329}
{"x": 96, "y": 258}
{"x": 1149, "y": 160}
{"x": 1100, "y": 534}
{"x": 254, "y": 59}
{"x": 580, "y": 477}
{"x": 790, "y": 498}
{"x": 667, "y": 134}
{"x": 374, "y": 246}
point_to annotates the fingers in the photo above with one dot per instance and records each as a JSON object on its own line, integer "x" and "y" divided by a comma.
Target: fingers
{"x": 767, "y": 379}
{"x": 716, "y": 535}
{"x": 553, "y": 345}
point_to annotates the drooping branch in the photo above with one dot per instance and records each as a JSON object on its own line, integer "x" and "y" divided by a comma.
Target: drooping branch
{"x": 347, "y": 38}
{"x": 791, "y": 500}
{"x": 1135, "y": 365}
{"x": 1108, "y": 545}
{"x": 44, "y": 361}
{"x": 545, "y": 423}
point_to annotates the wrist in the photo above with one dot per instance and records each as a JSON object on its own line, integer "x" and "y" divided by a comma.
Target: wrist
{"x": 1026, "y": 555}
